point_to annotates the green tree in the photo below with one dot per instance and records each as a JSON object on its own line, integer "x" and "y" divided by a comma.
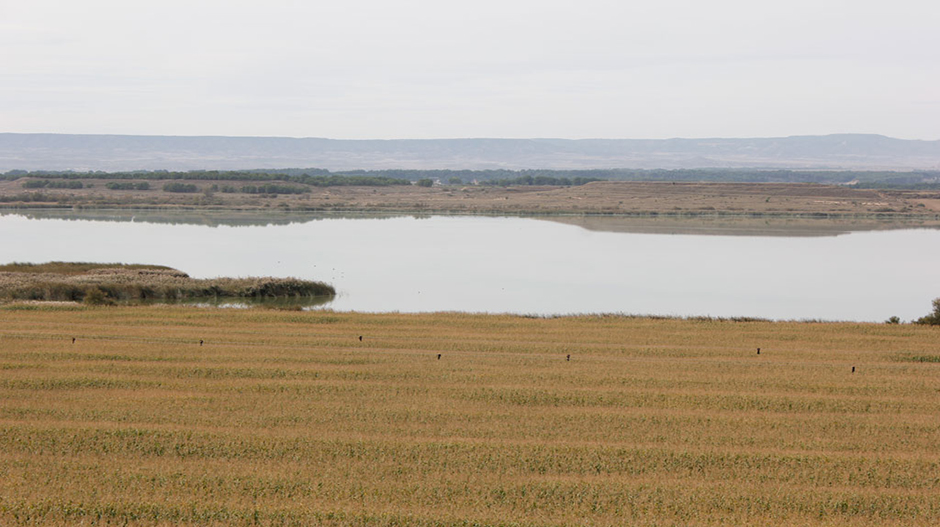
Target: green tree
{"x": 932, "y": 319}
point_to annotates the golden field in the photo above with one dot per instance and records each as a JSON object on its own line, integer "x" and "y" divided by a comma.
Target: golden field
{"x": 287, "y": 418}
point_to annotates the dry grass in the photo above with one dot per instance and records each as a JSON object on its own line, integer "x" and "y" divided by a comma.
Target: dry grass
{"x": 74, "y": 268}
{"x": 285, "y": 418}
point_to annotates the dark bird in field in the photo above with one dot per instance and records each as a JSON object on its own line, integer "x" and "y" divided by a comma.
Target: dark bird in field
{"x": 73, "y": 340}
{"x": 200, "y": 342}
{"x": 758, "y": 351}
{"x": 568, "y": 357}
{"x": 360, "y": 338}
{"x": 853, "y": 369}
{"x": 438, "y": 356}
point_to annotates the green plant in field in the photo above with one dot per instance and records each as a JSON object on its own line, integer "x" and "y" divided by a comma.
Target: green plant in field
{"x": 920, "y": 358}
{"x": 893, "y": 320}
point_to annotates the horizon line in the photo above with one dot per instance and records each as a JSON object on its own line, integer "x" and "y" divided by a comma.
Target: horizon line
{"x": 472, "y": 138}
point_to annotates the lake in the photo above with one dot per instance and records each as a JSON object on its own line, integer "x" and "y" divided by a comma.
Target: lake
{"x": 540, "y": 266}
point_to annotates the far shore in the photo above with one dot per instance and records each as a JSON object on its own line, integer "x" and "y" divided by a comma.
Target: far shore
{"x": 603, "y": 198}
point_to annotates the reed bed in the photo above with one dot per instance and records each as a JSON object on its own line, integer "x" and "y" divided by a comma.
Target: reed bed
{"x": 106, "y": 283}
{"x": 164, "y": 415}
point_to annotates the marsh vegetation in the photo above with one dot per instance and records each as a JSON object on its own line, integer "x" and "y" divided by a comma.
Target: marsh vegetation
{"x": 525, "y": 195}
{"x": 107, "y": 283}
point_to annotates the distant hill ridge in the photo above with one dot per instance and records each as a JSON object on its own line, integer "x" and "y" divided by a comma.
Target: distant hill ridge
{"x": 144, "y": 152}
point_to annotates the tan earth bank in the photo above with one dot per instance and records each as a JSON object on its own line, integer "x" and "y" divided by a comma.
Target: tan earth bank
{"x": 629, "y": 198}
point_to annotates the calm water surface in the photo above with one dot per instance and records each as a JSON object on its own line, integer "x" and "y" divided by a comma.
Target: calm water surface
{"x": 524, "y": 265}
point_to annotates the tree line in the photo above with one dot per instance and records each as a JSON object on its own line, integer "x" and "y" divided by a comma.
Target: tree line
{"x": 318, "y": 177}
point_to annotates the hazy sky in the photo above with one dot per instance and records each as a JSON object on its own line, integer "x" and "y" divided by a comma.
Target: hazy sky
{"x": 434, "y": 68}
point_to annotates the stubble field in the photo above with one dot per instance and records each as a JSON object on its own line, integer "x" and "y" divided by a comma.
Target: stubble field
{"x": 287, "y": 418}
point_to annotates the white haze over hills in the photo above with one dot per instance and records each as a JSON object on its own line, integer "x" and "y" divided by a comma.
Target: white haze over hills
{"x": 375, "y": 69}
{"x": 133, "y": 152}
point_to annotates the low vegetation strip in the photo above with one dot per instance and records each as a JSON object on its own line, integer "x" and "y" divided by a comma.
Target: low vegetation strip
{"x": 927, "y": 179}
{"x": 159, "y": 415}
{"x": 106, "y": 283}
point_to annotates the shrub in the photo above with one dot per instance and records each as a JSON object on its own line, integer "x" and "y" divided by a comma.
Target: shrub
{"x": 271, "y": 188}
{"x": 27, "y": 197}
{"x": 932, "y": 319}
{"x": 127, "y": 185}
{"x": 66, "y": 184}
{"x": 45, "y": 183}
{"x": 35, "y": 183}
{"x": 426, "y": 182}
{"x": 180, "y": 187}
{"x": 96, "y": 297}
{"x": 893, "y": 320}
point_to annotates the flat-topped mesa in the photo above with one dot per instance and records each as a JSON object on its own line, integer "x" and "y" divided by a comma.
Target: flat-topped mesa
{"x": 105, "y": 283}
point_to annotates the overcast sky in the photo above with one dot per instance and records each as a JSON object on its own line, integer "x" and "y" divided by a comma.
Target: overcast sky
{"x": 435, "y": 68}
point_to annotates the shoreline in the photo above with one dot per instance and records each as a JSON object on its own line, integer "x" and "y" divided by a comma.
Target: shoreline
{"x": 59, "y": 305}
{"x": 696, "y": 223}
{"x": 5, "y": 208}
{"x": 603, "y": 198}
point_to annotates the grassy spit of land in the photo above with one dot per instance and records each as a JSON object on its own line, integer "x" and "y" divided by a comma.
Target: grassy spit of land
{"x": 604, "y": 197}
{"x": 288, "y": 418}
{"x": 109, "y": 282}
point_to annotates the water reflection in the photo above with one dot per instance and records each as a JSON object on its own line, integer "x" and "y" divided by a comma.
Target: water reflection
{"x": 704, "y": 224}
{"x": 728, "y": 225}
{"x": 208, "y": 218}
{"x": 523, "y": 265}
